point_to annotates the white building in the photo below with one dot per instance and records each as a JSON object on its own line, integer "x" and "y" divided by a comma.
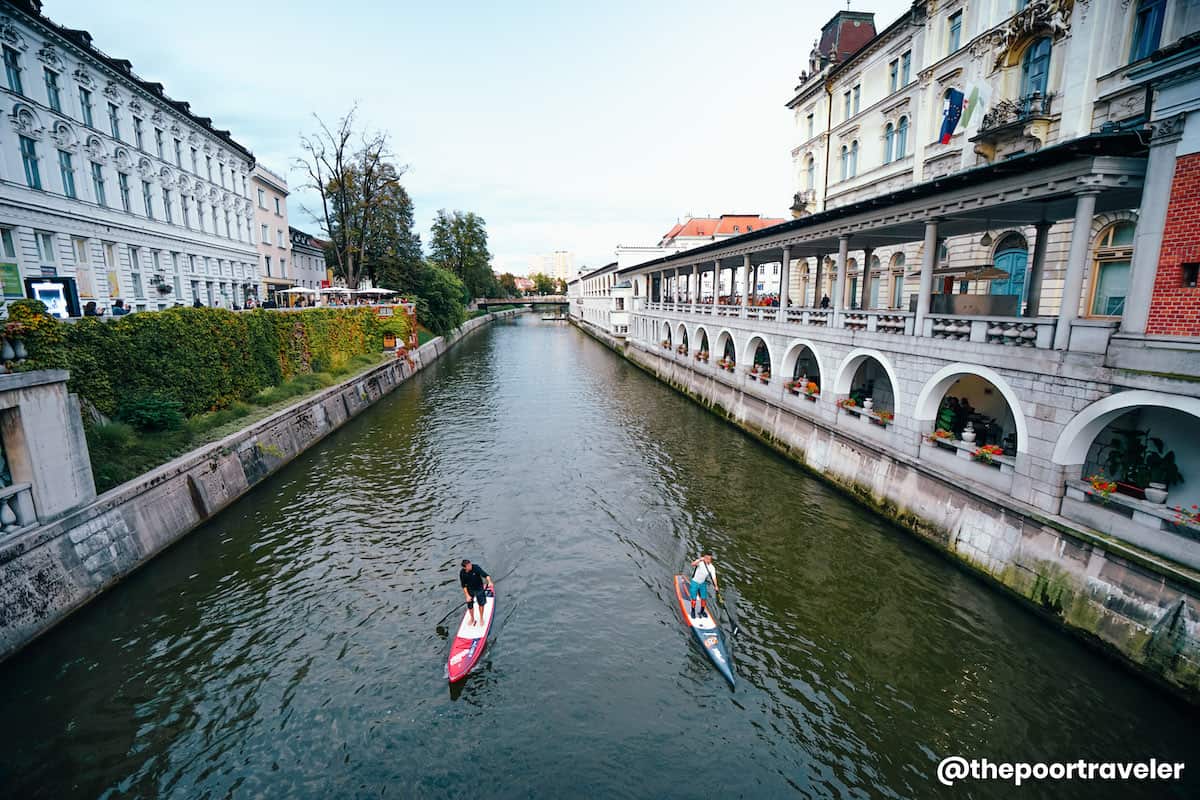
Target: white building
{"x": 602, "y": 299}
{"x": 560, "y": 265}
{"x": 271, "y": 228}
{"x": 869, "y": 114}
{"x": 106, "y": 180}
{"x": 308, "y": 259}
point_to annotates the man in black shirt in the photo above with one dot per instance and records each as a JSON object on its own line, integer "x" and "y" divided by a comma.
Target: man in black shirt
{"x": 473, "y": 580}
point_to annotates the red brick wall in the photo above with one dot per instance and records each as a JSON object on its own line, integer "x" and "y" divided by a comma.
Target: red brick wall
{"x": 1174, "y": 310}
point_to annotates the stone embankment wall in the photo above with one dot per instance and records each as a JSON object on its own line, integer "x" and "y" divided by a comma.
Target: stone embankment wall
{"x": 52, "y": 570}
{"x": 1139, "y": 608}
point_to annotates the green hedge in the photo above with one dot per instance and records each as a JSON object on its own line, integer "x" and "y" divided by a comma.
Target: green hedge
{"x": 202, "y": 358}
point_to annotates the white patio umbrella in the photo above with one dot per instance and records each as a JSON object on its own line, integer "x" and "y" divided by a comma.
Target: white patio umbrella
{"x": 298, "y": 290}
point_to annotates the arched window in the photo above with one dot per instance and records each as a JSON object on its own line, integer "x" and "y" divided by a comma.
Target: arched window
{"x": 902, "y": 138}
{"x": 943, "y": 252}
{"x": 1035, "y": 68}
{"x": 853, "y": 158}
{"x": 875, "y": 279}
{"x": 845, "y": 162}
{"x": 810, "y": 174}
{"x": 1110, "y": 271}
{"x": 897, "y": 279}
{"x": 1012, "y": 255}
{"x": 889, "y": 142}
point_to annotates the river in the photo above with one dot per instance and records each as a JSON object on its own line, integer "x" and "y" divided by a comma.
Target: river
{"x": 291, "y": 647}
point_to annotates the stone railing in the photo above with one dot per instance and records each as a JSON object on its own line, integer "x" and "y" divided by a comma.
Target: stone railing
{"x": 1034, "y": 332}
{"x": 1156, "y": 527}
{"x": 16, "y": 508}
{"x": 817, "y": 317}
{"x": 762, "y": 312}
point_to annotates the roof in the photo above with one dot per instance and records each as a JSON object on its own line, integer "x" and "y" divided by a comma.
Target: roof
{"x": 1095, "y": 144}
{"x": 83, "y": 40}
{"x": 725, "y": 225}
{"x": 600, "y": 271}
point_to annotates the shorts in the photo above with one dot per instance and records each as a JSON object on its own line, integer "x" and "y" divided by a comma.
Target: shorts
{"x": 479, "y": 597}
{"x": 698, "y": 589}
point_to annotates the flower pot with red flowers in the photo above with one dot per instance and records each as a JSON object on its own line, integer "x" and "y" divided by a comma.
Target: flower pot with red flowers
{"x": 987, "y": 453}
{"x": 884, "y": 418}
{"x": 1102, "y": 487}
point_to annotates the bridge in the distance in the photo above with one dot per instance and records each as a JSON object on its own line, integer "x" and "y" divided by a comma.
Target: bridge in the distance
{"x": 530, "y": 300}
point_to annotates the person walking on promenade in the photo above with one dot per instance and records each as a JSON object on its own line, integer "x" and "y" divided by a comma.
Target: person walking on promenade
{"x": 473, "y": 579}
{"x": 698, "y": 587}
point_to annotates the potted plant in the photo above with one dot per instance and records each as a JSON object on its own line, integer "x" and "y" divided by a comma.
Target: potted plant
{"x": 847, "y": 403}
{"x": 811, "y": 390}
{"x": 968, "y": 434}
{"x": 885, "y": 417}
{"x": 987, "y": 453}
{"x": 765, "y": 376}
{"x": 1102, "y": 487}
{"x": 940, "y": 435}
{"x": 666, "y": 343}
{"x": 1187, "y": 516}
{"x": 1138, "y": 459}
{"x": 1163, "y": 474}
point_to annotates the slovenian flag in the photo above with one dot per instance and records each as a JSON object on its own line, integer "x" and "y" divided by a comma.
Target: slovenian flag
{"x": 951, "y": 113}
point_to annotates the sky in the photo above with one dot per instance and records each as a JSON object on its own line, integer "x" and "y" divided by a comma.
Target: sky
{"x": 566, "y": 126}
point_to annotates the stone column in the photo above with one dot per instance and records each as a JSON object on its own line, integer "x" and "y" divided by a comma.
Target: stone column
{"x": 839, "y": 279}
{"x": 1077, "y": 258}
{"x": 925, "y": 288}
{"x": 864, "y": 301}
{"x": 746, "y": 284}
{"x": 785, "y": 278}
{"x": 817, "y": 281}
{"x": 675, "y": 287}
{"x": 1152, "y": 218}
{"x": 1037, "y": 270}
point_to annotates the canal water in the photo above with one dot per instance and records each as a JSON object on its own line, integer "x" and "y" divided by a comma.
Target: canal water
{"x": 291, "y": 647}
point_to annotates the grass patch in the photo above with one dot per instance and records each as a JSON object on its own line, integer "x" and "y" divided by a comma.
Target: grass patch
{"x": 424, "y": 336}
{"x": 120, "y": 452}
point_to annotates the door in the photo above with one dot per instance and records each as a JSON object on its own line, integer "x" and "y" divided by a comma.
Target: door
{"x": 1013, "y": 262}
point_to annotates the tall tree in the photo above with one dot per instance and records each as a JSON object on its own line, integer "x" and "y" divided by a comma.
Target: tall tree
{"x": 459, "y": 244}
{"x": 508, "y": 285}
{"x": 356, "y": 179}
{"x": 543, "y": 283}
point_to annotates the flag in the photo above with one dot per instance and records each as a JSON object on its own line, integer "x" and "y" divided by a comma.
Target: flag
{"x": 951, "y": 112}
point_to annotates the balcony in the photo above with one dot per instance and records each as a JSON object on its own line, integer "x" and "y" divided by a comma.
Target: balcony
{"x": 1013, "y": 126}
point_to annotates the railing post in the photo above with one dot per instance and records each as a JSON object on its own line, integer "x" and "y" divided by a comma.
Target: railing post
{"x": 839, "y": 277}
{"x": 785, "y": 276}
{"x": 925, "y": 288}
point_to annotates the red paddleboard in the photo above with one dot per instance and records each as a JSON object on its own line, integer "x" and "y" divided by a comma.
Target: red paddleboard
{"x": 470, "y": 640}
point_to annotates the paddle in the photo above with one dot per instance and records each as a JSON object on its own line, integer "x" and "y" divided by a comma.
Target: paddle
{"x": 728, "y": 614}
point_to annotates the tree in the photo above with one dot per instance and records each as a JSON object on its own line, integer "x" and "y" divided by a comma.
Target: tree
{"x": 439, "y": 299}
{"x": 543, "y": 283}
{"x": 459, "y": 244}
{"x": 357, "y": 183}
{"x": 394, "y": 256}
{"x": 560, "y": 286}
{"x": 508, "y": 285}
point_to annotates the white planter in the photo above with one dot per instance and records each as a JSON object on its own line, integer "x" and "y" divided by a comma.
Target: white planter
{"x": 1156, "y": 493}
{"x": 868, "y": 404}
{"x": 968, "y": 435}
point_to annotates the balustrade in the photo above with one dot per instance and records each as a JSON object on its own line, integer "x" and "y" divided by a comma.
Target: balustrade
{"x": 1034, "y": 332}
{"x": 16, "y": 508}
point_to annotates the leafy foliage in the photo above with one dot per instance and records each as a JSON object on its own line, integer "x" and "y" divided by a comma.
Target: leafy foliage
{"x": 460, "y": 245}
{"x": 151, "y": 412}
{"x": 203, "y": 359}
{"x": 543, "y": 283}
{"x": 439, "y": 300}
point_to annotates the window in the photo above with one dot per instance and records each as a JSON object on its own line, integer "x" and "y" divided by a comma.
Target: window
{"x": 98, "y": 184}
{"x": 208, "y": 167}
{"x": 268, "y": 259}
{"x": 135, "y": 274}
{"x": 906, "y": 68}
{"x": 894, "y": 75}
{"x": 157, "y": 262}
{"x": 67, "y": 170}
{"x": 283, "y": 267}
{"x": 853, "y": 158}
{"x": 167, "y": 205}
{"x": 123, "y": 185}
{"x": 811, "y": 126}
{"x": 279, "y": 238}
{"x": 137, "y": 133}
{"x": 179, "y": 153}
{"x": 221, "y": 169}
{"x": 52, "y": 93}
{"x": 278, "y": 207}
{"x": 192, "y": 263}
{"x": 1191, "y": 274}
{"x": 158, "y": 143}
{"x": 228, "y": 235}
{"x": 33, "y": 178}
{"x": 12, "y": 69}
{"x": 195, "y": 161}
{"x": 810, "y": 174}
{"x": 1147, "y": 28}
{"x": 845, "y": 162}
{"x": 200, "y": 214}
{"x": 943, "y": 252}
{"x": 185, "y": 210}
{"x": 266, "y": 235}
{"x": 1110, "y": 279}
{"x": 846, "y": 105}
{"x": 889, "y": 143}
{"x": 857, "y": 96}
{"x": 239, "y": 228}
{"x": 902, "y": 138}
{"x": 85, "y": 106}
{"x": 148, "y": 199}
{"x": 955, "y": 32}
{"x": 262, "y": 199}
{"x": 1035, "y": 68}
{"x": 45, "y": 251}
{"x": 8, "y": 247}
{"x": 897, "y": 279}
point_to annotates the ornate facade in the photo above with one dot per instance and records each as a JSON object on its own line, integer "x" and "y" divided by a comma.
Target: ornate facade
{"x": 107, "y": 180}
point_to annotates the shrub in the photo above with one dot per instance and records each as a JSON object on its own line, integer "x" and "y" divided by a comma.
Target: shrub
{"x": 151, "y": 412}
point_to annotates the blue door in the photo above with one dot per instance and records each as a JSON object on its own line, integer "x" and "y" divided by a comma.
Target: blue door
{"x": 1012, "y": 262}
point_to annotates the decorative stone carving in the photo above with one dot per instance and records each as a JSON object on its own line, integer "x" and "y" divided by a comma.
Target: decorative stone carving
{"x": 166, "y": 177}
{"x": 49, "y": 56}
{"x": 95, "y": 150}
{"x": 193, "y": 139}
{"x": 10, "y": 34}
{"x": 25, "y": 122}
{"x": 135, "y": 106}
{"x": 146, "y": 169}
{"x": 1052, "y": 17}
{"x": 83, "y": 77}
{"x": 121, "y": 156}
{"x": 157, "y": 118}
{"x": 64, "y": 137}
{"x": 175, "y": 129}
{"x": 185, "y": 185}
{"x": 222, "y": 157}
{"x": 1171, "y": 127}
{"x": 113, "y": 93}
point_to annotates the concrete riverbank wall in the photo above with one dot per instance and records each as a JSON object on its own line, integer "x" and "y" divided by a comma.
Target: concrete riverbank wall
{"x": 1141, "y": 609}
{"x": 52, "y": 570}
